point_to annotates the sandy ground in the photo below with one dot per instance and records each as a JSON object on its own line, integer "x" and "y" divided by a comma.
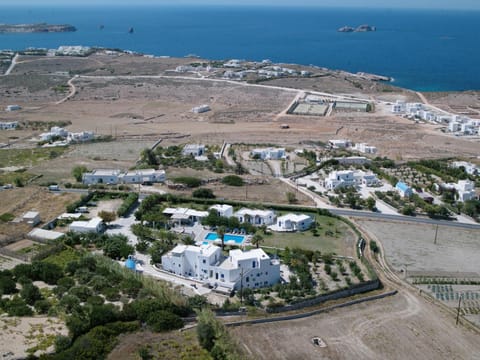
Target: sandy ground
{"x": 150, "y": 108}
{"x": 20, "y": 200}
{"x": 398, "y": 327}
{"x": 20, "y": 334}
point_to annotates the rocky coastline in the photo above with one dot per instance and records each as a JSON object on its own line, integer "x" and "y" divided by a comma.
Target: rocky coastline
{"x": 35, "y": 28}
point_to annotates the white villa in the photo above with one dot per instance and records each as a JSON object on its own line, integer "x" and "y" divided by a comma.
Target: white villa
{"x": 222, "y": 210}
{"x": 115, "y": 176}
{"x": 250, "y": 269}
{"x": 269, "y": 153}
{"x": 400, "y": 107}
{"x": 94, "y": 225}
{"x": 143, "y": 176}
{"x": 367, "y": 179}
{"x": 353, "y": 160}
{"x": 101, "y": 176}
{"x": 193, "y": 149}
{"x": 465, "y": 190}
{"x": 292, "y": 222}
{"x": 192, "y": 261}
{"x": 340, "y": 178}
{"x": 8, "y": 125}
{"x": 184, "y": 215}
{"x": 365, "y": 148}
{"x": 255, "y": 216}
{"x": 80, "y": 136}
{"x": 339, "y": 144}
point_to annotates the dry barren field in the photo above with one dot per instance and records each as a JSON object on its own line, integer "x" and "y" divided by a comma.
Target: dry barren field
{"x": 399, "y": 327}
{"x": 111, "y": 99}
{"x": 412, "y": 246}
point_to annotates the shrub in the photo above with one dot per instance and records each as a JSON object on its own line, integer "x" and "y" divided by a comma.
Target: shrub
{"x": 189, "y": 181}
{"x": 42, "y": 306}
{"x": 127, "y": 204}
{"x": 30, "y": 293}
{"x": 17, "y": 307}
{"x": 62, "y": 343}
{"x": 81, "y": 292}
{"x": 7, "y": 285}
{"x": 232, "y": 180}
{"x": 203, "y": 193}
{"x": 6, "y": 217}
{"x": 164, "y": 321}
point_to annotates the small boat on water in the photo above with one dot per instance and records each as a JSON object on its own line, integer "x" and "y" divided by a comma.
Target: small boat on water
{"x": 130, "y": 31}
{"x": 101, "y": 27}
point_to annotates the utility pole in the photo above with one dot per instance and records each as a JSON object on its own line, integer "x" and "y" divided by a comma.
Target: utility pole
{"x": 458, "y": 308}
{"x": 436, "y": 233}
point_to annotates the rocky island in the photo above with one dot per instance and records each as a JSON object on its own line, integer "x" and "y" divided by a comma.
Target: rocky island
{"x": 35, "y": 28}
{"x": 361, "y": 28}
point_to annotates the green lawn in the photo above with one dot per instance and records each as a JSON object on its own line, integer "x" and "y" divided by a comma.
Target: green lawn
{"x": 334, "y": 237}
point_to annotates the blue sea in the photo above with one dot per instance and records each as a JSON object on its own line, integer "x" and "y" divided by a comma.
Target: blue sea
{"x": 421, "y": 49}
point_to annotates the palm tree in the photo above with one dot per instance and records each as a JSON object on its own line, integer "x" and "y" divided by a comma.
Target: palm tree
{"x": 257, "y": 239}
{"x": 220, "y": 234}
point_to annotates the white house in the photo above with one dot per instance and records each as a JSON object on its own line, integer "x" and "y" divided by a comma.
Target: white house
{"x": 31, "y": 217}
{"x": 13, "y": 108}
{"x": 94, "y": 225}
{"x": 292, "y": 222}
{"x": 367, "y": 179}
{"x": 201, "y": 109}
{"x": 222, "y": 210}
{"x": 250, "y": 269}
{"x": 101, "y": 176}
{"x": 255, "y": 216}
{"x": 365, "y": 148}
{"x": 41, "y": 234}
{"x": 339, "y": 144}
{"x": 193, "y": 149}
{"x": 399, "y": 107}
{"x": 454, "y": 126}
{"x": 192, "y": 261}
{"x": 185, "y": 215}
{"x": 247, "y": 269}
{"x": 465, "y": 190}
{"x": 404, "y": 189}
{"x": 143, "y": 176}
{"x": 353, "y": 160}
{"x": 412, "y": 108}
{"x": 269, "y": 153}
{"x": 80, "y": 136}
{"x": 341, "y": 178}
{"x": 8, "y": 125}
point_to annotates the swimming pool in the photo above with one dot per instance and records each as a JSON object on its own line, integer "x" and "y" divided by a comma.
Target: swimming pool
{"x": 238, "y": 239}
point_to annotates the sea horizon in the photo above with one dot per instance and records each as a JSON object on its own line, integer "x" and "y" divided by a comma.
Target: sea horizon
{"x": 413, "y": 46}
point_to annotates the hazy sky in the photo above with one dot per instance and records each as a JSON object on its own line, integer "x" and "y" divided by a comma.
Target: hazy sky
{"x": 430, "y": 4}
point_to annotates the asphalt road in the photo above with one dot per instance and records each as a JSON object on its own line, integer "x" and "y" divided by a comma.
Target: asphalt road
{"x": 421, "y": 220}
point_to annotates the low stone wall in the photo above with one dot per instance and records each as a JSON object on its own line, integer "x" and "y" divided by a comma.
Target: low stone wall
{"x": 311, "y": 313}
{"x": 357, "y": 289}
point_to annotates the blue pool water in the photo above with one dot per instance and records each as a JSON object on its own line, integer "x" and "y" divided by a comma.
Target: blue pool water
{"x": 238, "y": 239}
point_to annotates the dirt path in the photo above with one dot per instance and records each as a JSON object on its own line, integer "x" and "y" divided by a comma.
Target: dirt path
{"x": 73, "y": 91}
